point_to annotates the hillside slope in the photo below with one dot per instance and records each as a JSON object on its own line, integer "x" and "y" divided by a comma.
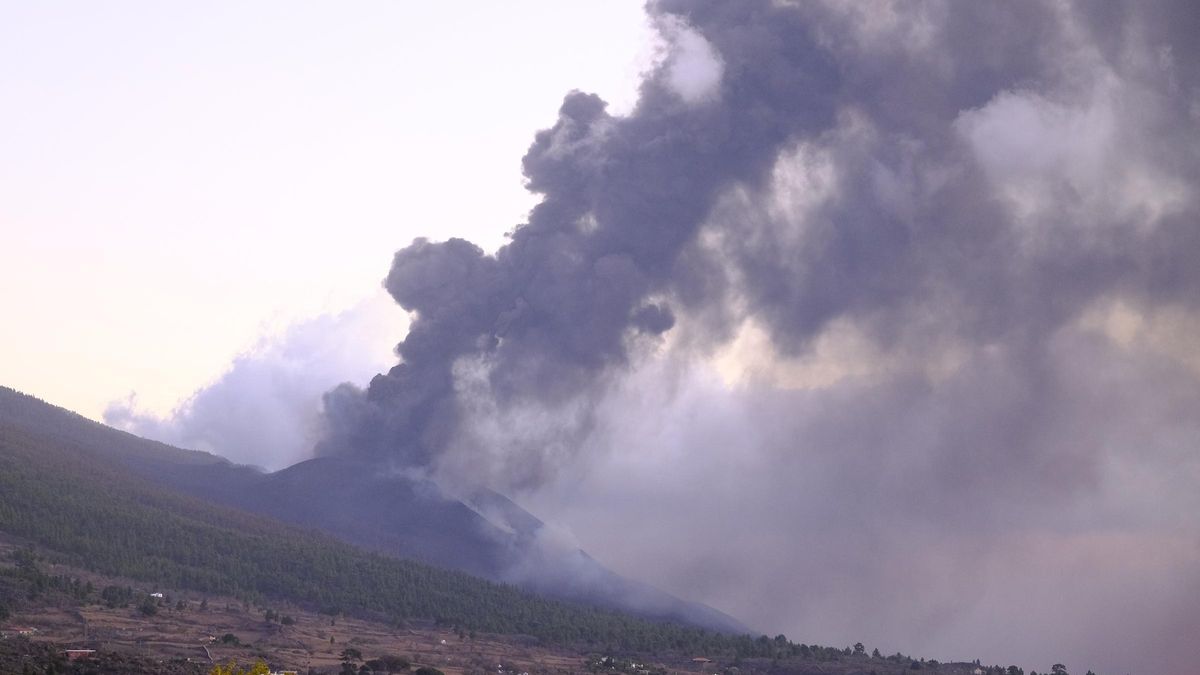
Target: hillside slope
{"x": 81, "y": 509}
{"x": 71, "y": 500}
{"x": 395, "y": 514}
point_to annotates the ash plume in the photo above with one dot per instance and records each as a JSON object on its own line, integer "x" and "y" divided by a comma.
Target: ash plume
{"x": 950, "y": 252}
{"x": 673, "y": 208}
{"x": 553, "y": 310}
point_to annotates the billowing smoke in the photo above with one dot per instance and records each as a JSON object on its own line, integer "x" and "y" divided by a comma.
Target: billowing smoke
{"x": 623, "y": 199}
{"x": 265, "y": 409}
{"x": 886, "y": 308}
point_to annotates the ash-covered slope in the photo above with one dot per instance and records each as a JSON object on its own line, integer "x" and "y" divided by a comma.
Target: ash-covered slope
{"x": 485, "y": 534}
{"x": 399, "y": 514}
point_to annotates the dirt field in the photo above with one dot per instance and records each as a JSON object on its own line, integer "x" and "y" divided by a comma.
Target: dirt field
{"x": 313, "y": 641}
{"x": 185, "y": 627}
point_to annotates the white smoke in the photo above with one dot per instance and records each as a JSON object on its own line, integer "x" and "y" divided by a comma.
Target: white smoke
{"x": 265, "y": 410}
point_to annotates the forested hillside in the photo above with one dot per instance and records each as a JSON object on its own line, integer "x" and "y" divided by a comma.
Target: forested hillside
{"x": 392, "y": 513}
{"x": 64, "y": 496}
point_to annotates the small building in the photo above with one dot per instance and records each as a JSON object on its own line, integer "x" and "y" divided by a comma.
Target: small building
{"x": 157, "y": 596}
{"x": 79, "y": 654}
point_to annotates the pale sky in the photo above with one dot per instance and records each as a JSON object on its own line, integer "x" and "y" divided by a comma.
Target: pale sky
{"x": 179, "y": 182}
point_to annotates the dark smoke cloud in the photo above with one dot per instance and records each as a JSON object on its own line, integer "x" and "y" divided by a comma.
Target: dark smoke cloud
{"x": 966, "y": 236}
{"x": 622, "y": 197}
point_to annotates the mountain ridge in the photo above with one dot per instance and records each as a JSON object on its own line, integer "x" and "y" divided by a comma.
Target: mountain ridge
{"x": 389, "y": 512}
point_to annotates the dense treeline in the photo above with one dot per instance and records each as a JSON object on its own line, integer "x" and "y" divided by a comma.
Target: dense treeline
{"x": 62, "y": 426}
{"x": 62, "y": 496}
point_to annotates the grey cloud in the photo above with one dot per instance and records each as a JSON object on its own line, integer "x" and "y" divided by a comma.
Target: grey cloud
{"x": 965, "y": 186}
{"x": 622, "y": 198}
{"x": 944, "y": 519}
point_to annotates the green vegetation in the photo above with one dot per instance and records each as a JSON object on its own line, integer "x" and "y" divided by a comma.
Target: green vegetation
{"x": 61, "y": 492}
{"x": 232, "y": 668}
{"x": 24, "y": 580}
{"x": 148, "y": 607}
{"x": 116, "y": 596}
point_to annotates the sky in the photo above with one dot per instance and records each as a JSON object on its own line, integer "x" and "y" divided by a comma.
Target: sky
{"x": 179, "y": 183}
{"x": 859, "y": 321}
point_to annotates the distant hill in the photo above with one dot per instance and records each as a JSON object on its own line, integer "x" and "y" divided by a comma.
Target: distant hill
{"x": 71, "y": 498}
{"x": 91, "y": 497}
{"x": 392, "y": 513}
{"x": 66, "y": 488}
